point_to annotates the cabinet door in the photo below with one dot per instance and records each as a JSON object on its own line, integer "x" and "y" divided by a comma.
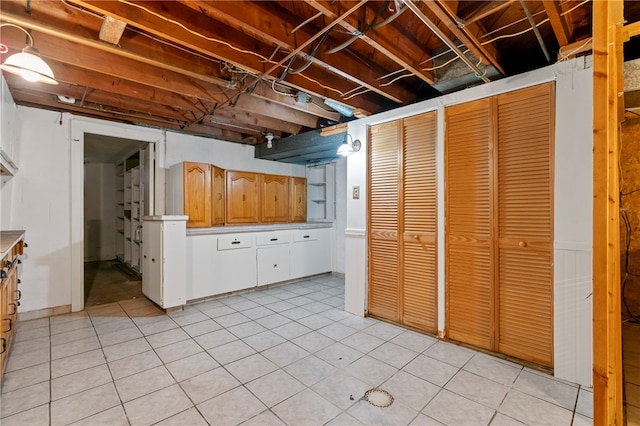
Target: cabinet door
{"x": 275, "y": 198}
{"x": 197, "y": 194}
{"x": 217, "y": 196}
{"x": 273, "y": 264}
{"x": 152, "y": 262}
{"x": 298, "y": 199}
{"x": 242, "y": 197}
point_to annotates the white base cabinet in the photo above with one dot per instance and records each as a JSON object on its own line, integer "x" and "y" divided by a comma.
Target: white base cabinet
{"x": 164, "y": 260}
{"x": 310, "y": 252}
{"x": 222, "y": 263}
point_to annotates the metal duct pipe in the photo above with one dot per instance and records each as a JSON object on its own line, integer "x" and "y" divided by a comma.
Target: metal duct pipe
{"x": 535, "y": 30}
{"x": 433, "y": 27}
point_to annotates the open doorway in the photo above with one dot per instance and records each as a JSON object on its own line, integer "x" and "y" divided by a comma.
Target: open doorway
{"x": 115, "y": 184}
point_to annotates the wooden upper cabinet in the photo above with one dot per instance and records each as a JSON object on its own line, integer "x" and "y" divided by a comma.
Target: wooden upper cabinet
{"x": 275, "y": 198}
{"x": 217, "y": 196}
{"x": 242, "y": 197}
{"x": 197, "y": 194}
{"x": 298, "y": 199}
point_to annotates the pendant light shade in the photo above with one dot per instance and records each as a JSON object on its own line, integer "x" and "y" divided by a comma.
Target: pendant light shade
{"x": 28, "y": 64}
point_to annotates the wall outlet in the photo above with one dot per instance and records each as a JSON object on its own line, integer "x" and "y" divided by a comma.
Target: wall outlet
{"x": 356, "y": 192}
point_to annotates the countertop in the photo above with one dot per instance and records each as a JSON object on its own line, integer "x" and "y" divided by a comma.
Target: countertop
{"x": 8, "y": 239}
{"x": 234, "y": 229}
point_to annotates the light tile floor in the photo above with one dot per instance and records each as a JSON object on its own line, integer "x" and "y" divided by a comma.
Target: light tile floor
{"x": 282, "y": 355}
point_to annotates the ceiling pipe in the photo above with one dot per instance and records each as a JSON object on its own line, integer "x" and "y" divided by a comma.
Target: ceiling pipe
{"x": 536, "y": 31}
{"x": 438, "y": 32}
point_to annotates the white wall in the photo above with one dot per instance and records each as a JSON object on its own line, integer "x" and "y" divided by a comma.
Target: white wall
{"x": 573, "y": 206}
{"x": 46, "y": 196}
{"x": 228, "y": 155}
{"x": 99, "y": 211}
{"x": 37, "y": 199}
{"x": 340, "y": 223}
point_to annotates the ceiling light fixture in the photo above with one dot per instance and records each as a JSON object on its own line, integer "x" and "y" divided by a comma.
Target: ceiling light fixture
{"x": 269, "y": 137}
{"x": 28, "y": 64}
{"x": 349, "y": 145}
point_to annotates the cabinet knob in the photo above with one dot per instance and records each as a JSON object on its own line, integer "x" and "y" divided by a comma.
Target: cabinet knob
{"x": 275, "y": 265}
{"x": 522, "y": 244}
{"x": 152, "y": 259}
{"x": 145, "y": 256}
{"x": 219, "y": 195}
{"x": 3, "y": 274}
{"x": 416, "y": 236}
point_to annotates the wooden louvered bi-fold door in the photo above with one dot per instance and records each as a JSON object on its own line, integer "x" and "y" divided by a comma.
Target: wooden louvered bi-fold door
{"x": 418, "y": 245}
{"x": 525, "y": 223}
{"x": 469, "y": 252}
{"x": 383, "y": 220}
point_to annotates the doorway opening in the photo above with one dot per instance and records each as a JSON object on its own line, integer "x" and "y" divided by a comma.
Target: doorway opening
{"x": 118, "y": 188}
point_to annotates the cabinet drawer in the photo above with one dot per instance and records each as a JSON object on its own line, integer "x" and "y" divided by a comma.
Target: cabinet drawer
{"x": 305, "y": 235}
{"x": 232, "y": 243}
{"x": 271, "y": 238}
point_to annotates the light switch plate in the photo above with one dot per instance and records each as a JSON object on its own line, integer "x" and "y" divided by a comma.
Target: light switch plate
{"x": 356, "y": 192}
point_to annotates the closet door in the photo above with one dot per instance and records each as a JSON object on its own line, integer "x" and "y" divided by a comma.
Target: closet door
{"x": 419, "y": 267}
{"x": 469, "y": 236}
{"x": 383, "y": 220}
{"x": 525, "y": 199}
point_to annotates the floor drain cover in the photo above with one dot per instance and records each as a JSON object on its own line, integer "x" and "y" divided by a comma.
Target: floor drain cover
{"x": 378, "y": 398}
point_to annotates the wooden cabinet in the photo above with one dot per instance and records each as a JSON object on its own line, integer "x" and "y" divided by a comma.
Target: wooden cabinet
{"x": 242, "y": 197}
{"x": 499, "y": 253}
{"x": 9, "y": 292}
{"x": 211, "y": 196}
{"x": 217, "y": 196}
{"x": 197, "y": 194}
{"x": 297, "y": 199}
{"x": 197, "y": 190}
{"x": 274, "y": 199}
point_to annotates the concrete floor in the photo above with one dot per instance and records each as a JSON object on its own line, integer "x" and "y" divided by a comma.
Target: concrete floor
{"x": 107, "y": 282}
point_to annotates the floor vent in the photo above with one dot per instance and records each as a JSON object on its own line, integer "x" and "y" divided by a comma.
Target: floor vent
{"x": 378, "y": 398}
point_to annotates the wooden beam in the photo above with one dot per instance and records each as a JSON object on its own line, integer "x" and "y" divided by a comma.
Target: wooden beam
{"x": 558, "y": 23}
{"x": 271, "y": 26}
{"x": 608, "y": 20}
{"x": 255, "y": 105}
{"x": 484, "y": 9}
{"x": 631, "y": 30}
{"x": 469, "y": 35}
{"x": 314, "y": 105}
{"x": 571, "y": 50}
{"x": 202, "y": 34}
{"x": 395, "y": 45}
